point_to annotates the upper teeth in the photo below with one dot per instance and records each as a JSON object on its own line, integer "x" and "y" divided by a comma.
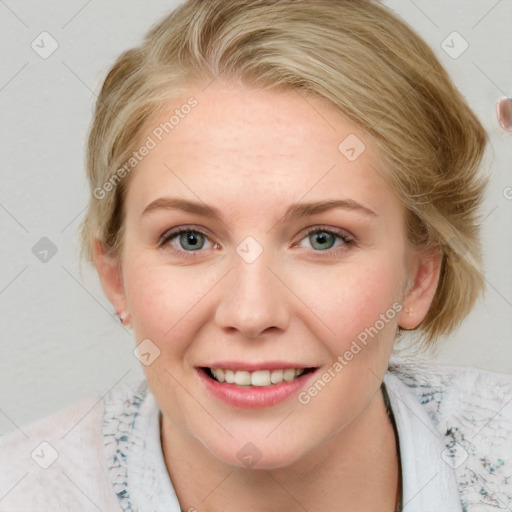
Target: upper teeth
{"x": 257, "y": 378}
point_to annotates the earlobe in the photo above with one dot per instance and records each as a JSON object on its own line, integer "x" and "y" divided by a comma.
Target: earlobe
{"x": 421, "y": 288}
{"x": 110, "y": 273}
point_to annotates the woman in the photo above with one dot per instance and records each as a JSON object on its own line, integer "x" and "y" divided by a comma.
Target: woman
{"x": 280, "y": 189}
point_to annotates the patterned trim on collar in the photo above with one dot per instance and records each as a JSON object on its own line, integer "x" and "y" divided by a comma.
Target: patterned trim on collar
{"x": 118, "y": 426}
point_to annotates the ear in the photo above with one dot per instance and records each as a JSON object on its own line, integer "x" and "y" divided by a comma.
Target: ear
{"x": 110, "y": 273}
{"x": 424, "y": 268}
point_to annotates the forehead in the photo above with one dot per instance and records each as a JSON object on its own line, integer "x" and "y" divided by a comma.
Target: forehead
{"x": 245, "y": 146}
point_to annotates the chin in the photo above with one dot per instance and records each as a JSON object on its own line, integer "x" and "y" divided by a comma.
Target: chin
{"x": 257, "y": 454}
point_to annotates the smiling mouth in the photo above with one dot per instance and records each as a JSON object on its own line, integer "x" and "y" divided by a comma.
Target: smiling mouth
{"x": 258, "y": 378}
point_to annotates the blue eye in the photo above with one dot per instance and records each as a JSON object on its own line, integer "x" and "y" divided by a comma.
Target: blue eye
{"x": 188, "y": 240}
{"x": 321, "y": 239}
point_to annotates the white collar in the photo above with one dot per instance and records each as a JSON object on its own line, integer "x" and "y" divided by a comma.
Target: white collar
{"x": 428, "y": 481}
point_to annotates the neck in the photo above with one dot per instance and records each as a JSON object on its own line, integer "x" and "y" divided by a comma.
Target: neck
{"x": 358, "y": 468}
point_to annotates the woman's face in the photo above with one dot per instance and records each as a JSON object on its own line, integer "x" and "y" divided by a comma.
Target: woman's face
{"x": 292, "y": 256}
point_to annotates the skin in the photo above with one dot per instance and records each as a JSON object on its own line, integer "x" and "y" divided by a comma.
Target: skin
{"x": 251, "y": 154}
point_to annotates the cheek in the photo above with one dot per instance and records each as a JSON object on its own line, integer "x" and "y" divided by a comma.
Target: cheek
{"x": 351, "y": 299}
{"x": 164, "y": 301}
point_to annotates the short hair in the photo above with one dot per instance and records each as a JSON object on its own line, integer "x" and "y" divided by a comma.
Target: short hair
{"x": 355, "y": 55}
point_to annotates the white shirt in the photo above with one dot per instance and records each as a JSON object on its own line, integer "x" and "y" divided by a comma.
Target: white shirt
{"x": 109, "y": 455}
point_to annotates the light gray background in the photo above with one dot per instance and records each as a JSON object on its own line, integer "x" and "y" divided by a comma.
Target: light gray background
{"x": 60, "y": 340}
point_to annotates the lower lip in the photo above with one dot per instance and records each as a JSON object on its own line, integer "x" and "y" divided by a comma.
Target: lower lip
{"x": 252, "y": 397}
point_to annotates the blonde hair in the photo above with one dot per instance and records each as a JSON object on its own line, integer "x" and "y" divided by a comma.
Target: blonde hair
{"x": 355, "y": 55}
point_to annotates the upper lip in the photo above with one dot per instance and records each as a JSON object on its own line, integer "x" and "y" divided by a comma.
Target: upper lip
{"x": 251, "y": 367}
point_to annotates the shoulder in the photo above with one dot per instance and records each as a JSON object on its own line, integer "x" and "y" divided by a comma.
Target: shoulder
{"x": 472, "y": 411}
{"x": 447, "y": 391}
{"x": 58, "y": 463}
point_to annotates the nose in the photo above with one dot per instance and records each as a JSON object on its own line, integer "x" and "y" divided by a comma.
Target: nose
{"x": 252, "y": 300}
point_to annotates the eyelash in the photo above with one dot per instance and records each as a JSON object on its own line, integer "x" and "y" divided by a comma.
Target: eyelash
{"x": 347, "y": 239}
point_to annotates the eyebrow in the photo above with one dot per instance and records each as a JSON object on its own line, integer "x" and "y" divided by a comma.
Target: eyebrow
{"x": 296, "y": 210}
